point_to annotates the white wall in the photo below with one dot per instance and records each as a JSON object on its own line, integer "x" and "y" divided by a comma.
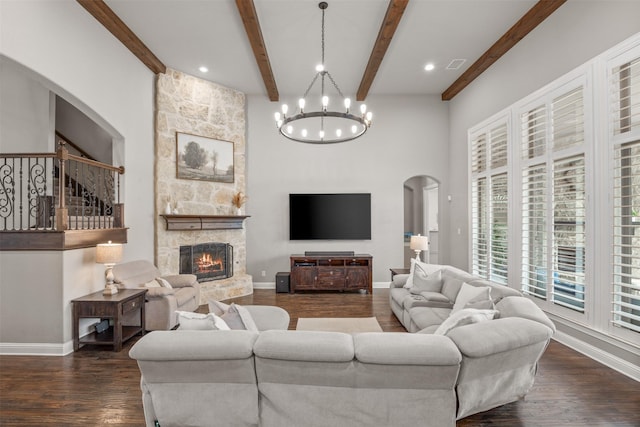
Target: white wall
{"x": 71, "y": 54}
{"x": 409, "y": 137}
{"x": 575, "y": 33}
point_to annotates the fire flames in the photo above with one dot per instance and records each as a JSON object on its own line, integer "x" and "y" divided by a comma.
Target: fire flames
{"x": 207, "y": 263}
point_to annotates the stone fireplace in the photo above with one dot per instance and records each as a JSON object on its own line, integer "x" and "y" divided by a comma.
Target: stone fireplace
{"x": 198, "y": 107}
{"x": 208, "y": 261}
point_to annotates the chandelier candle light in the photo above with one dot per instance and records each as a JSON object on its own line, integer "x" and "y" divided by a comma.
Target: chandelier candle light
{"x": 323, "y": 126}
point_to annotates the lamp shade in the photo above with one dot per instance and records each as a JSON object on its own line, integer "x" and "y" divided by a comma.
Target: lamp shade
{"x": 108, "y": 253}
{"x": 419, "y": 243}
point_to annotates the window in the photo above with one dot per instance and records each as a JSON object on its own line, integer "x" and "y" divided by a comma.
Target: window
{"x": 625, "y": 108}
{"x": 553, "y": 199}
{"x": 489, "y": 201}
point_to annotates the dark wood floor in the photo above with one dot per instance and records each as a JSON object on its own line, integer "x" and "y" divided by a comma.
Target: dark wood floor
{"x": 94, "y": 387}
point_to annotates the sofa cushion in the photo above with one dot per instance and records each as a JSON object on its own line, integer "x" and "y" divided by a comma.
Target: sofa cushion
{"x": 135, "y": 273}
{"x": 525, "y": 308}
{"x": 426, "y": 283}
{"x": 184, "y": 295}
{"x": 306, "y": 346}
{"x": 471, "y": 294}
{"x": 200, "y": 322}
{"x": 429, "y": 299}
{"x": 181, "y": 280}
{"x": 427, "y": 316}
{"x": 463, "y": 317}
{"x": 498, "y": 291}
{"x": 398, "y": 295}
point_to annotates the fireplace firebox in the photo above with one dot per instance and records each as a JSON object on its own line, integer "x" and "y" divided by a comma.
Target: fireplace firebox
{"x": 208, "y": 261}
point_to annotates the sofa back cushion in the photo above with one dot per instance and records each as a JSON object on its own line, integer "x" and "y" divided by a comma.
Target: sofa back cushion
{"x": 452, "y": 280}
{"x": 524, "y": 308}
{"x": 133, "y": 274}
{"x": 498, "y": 291}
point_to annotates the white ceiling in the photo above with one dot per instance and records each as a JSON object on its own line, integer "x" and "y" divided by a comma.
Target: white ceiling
{"x": 186, "y": 34}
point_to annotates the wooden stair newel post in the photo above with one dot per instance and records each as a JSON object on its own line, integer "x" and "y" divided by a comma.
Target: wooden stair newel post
{"x": 62, "y": 213}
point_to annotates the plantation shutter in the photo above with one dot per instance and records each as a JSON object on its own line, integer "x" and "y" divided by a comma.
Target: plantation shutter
{"x": 479, "y": 227}
{"x": 489, "y": 156}
{"x": 534, "y": 128}
{"x": 534, "y": 230}
{"x": 625, "y": 86}
{"x": 499, "y": 147}
{"x": 626, "y": 99}
{"x": 568, "y": 120}
{"x": 569, "y": 214}
{"x": 499, "y": 227}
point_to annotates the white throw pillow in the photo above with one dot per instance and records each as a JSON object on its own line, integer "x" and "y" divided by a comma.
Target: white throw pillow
{"x": 200, "y": 322}
{"x": 463, "y": 317}
{"x": 469, "y": 293}
{"x": 409, "y": 283}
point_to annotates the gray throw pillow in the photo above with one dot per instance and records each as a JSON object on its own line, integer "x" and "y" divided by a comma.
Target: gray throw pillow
{"x": 218, "y": 308}
{"x": 238, "y": 317}
{"x": 423, "y": 282}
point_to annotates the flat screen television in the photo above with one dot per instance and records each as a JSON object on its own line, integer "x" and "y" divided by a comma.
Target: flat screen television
{"x": 342, "y": 216}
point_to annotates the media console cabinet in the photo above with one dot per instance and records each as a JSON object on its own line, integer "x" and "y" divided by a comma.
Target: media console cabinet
{"x": 331, "y": 273}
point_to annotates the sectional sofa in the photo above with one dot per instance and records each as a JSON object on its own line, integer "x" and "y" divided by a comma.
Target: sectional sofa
{"x": 275, "y": 377}
{"x": 500, "y": 356}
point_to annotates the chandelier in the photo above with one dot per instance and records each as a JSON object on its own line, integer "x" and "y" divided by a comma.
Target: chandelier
{"x": 323, "y": 126}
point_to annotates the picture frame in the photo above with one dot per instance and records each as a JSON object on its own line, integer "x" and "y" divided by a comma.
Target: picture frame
{"x": 204, "y": 159}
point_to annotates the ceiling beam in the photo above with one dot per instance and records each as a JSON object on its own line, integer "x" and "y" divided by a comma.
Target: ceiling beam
{"x": 387, "y": 29}
{"x": 103, "y": 13}
{"x": 252, "y": 27}
{"x": 538, "y": 13}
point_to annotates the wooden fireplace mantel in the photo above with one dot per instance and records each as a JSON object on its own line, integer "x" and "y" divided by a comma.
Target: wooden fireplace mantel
{"x": 204, "y": 222}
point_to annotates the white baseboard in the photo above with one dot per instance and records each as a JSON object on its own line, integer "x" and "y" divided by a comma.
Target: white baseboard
{"x": 35, "y": 349}
{"x": 272, "y": 285}
{"x": 607, "y": 359}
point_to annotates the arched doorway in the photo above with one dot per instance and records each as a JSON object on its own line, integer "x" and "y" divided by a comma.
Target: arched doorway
{"x": 421, "y": 196}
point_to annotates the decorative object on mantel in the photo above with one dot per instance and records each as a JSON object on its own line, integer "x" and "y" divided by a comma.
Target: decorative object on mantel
{"x": 238, "y": 200}
{"x": 204, "y": 222}
{"x": 204, "y": 159}
{"x": 109, "y": 254}
{"x": 167, "y": 209}
{"x": 324, "y": 126}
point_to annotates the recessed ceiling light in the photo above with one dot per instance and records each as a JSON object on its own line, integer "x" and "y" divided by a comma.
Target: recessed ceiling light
{"x": 429, "y": 66}
{"x": 203, "y": 69}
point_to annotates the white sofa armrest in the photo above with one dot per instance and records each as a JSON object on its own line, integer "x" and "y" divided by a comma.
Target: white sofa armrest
{"x": 399, "y": 280}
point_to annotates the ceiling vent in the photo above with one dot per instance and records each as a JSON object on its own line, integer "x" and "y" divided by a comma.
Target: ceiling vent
{"x": 455, "y": 64}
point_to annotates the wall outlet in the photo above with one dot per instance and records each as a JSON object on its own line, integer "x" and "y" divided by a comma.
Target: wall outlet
{"x": 263, "y": 273}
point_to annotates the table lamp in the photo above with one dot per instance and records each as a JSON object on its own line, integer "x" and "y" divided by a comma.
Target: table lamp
{"x": 109, "y": 254}
{"x": 418, "y": 244}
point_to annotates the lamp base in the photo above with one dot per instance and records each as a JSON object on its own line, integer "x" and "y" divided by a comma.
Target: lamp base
{"x": 110, "y": 290}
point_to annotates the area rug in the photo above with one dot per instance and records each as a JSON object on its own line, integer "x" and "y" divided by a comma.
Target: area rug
{"x": 339, "y": 324}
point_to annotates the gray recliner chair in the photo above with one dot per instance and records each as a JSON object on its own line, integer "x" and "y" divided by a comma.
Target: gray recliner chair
{"x": 161, "y": 302}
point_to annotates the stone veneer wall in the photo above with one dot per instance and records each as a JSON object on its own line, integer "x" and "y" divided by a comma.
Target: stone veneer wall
{"x": 190, "y": 105}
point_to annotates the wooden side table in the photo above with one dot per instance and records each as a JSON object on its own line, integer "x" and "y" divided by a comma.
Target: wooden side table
{"x": 112, "y": 307}
{"x": 395, "y": 271}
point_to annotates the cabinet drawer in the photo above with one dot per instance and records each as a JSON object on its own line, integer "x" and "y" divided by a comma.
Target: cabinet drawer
{"x": 94, "y": 309}
{"x": 134, "y": 304}
{"x": 330, "y": 273}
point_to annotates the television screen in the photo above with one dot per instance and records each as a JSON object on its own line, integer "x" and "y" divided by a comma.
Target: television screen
{"x": 344, "y": 216}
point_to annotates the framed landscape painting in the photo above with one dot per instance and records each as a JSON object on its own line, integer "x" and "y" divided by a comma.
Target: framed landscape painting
{"x": 204, "y": 159}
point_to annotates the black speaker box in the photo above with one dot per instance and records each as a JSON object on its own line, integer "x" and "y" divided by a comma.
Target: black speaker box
{"x": 282, "y": 282}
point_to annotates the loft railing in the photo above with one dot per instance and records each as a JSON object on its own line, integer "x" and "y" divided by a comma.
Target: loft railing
{"x": 58, "y": 191}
